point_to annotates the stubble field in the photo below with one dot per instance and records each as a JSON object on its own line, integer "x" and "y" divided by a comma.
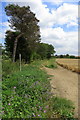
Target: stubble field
{"x": 70, "y": 64}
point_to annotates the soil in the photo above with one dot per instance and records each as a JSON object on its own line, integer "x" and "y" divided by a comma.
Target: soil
{"x": 64, "y": 84}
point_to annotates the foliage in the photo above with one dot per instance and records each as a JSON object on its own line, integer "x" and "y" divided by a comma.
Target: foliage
{"x": 40, "y": 51}
{"x": 67, "y": 56}
{"x": 22, "y": 46}
{"x": 35, "y": 56}
{"x": 22, "y": 19}
{"x": 50, "y": 63}
{"x": 24, "y": 22}
{"x": 45, "y": 50}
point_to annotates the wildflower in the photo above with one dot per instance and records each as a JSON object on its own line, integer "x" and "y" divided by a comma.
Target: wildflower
{"x": 9, "y": 104}
{"x": 3, "y": 111}
{"x": 36, "y": 82}
{"x": 34, "y": 115}
{"x": 44, "y": 111}
{"x": 47, "y": 106}
{"x": 38, "y": 115}
{"x": 40, "y": 108}
{"x": 14, "y": 87}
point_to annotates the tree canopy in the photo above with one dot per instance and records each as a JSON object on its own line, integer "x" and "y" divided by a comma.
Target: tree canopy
{"x": 24, "y": 22}
{"x": 45, "y": 50}
{"x": 24, "y": 48}
{"x": 40, "y": 51}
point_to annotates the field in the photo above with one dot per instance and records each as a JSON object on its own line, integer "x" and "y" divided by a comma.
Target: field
{"x": 70, "y": 64}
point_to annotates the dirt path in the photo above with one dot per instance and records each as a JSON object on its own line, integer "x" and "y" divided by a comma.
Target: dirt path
{"x": 64, "y": 84}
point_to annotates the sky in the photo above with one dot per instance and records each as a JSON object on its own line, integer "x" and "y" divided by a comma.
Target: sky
{"x": 58, "y": 22}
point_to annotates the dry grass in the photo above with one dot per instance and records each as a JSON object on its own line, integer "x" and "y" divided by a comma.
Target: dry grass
{"x": 70, "y": 64}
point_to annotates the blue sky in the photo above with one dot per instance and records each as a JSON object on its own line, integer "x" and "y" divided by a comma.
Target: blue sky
{"x": 58, "y": 23}
{"x": 53, "y": 6}
{"x": 3, "y": 18}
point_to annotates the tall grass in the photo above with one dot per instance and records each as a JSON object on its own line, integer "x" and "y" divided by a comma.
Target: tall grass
{"x": 8, "y": 67}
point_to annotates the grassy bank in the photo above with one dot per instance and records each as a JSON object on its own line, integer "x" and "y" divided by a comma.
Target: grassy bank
{"x": 26, "y": 94}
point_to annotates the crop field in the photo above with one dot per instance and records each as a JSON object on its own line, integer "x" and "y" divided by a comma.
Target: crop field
{"x": 70, "y": 64}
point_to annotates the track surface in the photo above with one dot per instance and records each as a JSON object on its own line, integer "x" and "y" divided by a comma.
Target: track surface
{"x": 64, "y": 84}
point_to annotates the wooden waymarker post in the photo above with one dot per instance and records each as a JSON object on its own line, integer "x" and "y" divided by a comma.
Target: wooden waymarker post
{"x": 20, "y": 61}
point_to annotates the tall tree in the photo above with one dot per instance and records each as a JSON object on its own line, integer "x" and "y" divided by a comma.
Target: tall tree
{"x": 45, "y": 50}
{"x": 23, "y": 21}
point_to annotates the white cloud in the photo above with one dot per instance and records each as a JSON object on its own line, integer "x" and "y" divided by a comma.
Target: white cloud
{"x": 72, "y": 24}
{"x": 58, "y": 2}
{"x": 65, "y": 14}
{"x": 3, "y": 28}
{"x": 64, "y": 42}
{"x": 1, "y": 36}
{"x": 51, "y": 1}
{"x": 5, "y": 24}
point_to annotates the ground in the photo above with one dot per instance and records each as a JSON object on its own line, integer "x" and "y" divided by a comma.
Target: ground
{"x": 64, "y": 84}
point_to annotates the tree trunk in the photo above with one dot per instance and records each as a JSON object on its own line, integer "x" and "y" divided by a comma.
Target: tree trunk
{"x": 15, "y": 46}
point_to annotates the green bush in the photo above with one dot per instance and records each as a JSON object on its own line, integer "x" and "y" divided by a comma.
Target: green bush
{"x": 51, "y": 64}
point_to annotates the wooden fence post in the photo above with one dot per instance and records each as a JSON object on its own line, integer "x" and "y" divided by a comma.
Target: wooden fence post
{"x": 20, "y": 61}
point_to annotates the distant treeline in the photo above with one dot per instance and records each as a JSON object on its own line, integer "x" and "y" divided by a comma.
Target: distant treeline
{"x": 67, "y": 56}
